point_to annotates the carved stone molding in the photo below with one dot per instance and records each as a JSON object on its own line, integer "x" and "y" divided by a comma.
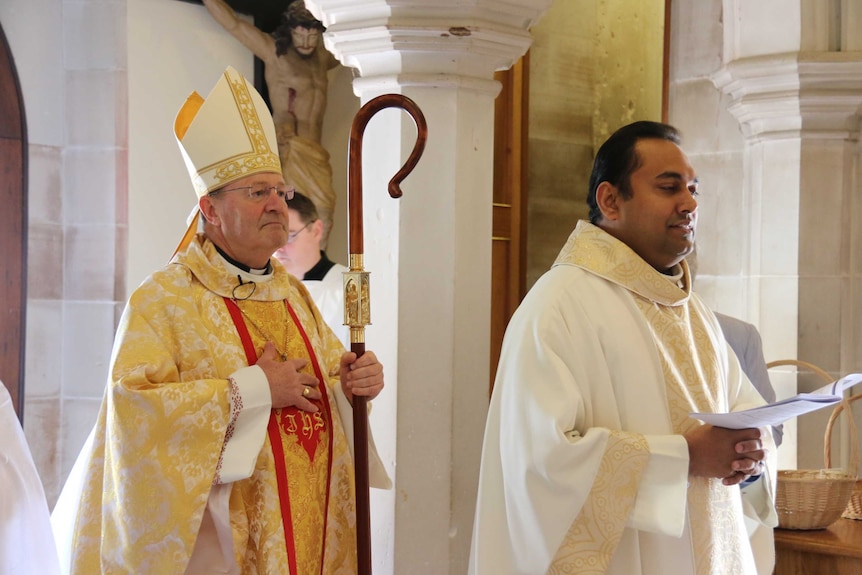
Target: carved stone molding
{"x": 429, "y": 43}
{"x": 805, "y": 94}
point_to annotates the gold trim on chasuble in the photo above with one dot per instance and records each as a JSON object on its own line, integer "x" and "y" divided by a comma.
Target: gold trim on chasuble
{"x": 594, "y": 535}
{"x": 260, "y": 156}
{"x": 302, "y": 441}
{"x": 693, "y": 375}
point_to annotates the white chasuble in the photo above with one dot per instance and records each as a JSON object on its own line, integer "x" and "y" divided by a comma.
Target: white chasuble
{"x": 584, "y": 465}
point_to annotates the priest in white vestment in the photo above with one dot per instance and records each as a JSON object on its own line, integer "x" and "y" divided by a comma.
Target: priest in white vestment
{"x": 591, "y": 463}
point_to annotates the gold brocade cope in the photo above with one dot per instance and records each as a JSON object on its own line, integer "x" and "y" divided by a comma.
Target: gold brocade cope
{"x": 148, "y": 477}
{"x": 300, "y": 441}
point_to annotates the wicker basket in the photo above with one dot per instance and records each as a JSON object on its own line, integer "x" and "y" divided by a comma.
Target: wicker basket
{"x": 815, "y": 498}
{"x": 854, "y": 505}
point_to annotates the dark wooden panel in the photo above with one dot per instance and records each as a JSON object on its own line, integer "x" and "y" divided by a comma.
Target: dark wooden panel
{"x": 13, "y": 228}
{"x": 10, "y": 109}
{"x": 508, "y": 267}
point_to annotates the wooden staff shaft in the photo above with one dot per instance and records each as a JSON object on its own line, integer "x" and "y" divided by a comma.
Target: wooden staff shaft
{"x": 360, "y": 451}
{"x": 356, "y": 250}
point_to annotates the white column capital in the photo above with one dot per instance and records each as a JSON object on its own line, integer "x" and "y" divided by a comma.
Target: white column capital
{"x": 429, "y": 42}
{"x": 799, "y": 94}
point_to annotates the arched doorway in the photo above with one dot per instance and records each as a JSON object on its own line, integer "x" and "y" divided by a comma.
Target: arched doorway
{"x": 13, "y": 227}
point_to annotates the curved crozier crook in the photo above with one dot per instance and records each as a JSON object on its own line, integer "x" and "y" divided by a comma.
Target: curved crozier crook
{"x": 354, "y": 167}
{"x": 357, "y": 334}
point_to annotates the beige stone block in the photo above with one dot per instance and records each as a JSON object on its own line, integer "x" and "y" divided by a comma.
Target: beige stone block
{"x": 90, "y": 185}
{"x": 698, "y": 110}
{"x": 778, "y": 174}
{"x": 558, "y": 181}
{"x": 856, "y": 324}
{"x": 45, "y": 244}
{"x": 763, "y": 27}
{"x": 696, "y": 39}
{"x": 44, "y": 348}
{"x": 855, "y": 234}
{"x": 779, "y": 316}
{"x": 79, "y": 417}
{"x": 94, "y": 35}
{"x": 783, "y": 381}
{"x": 88, "y": 334}
{"x": 724, "y": 224}
{"x": 811, "y": 429}
{"x": 44, "y": 191}
{"x": 34, "y": 29}
{"x": 723, "y": 294}
{"x": 561, "y": 73}
{"x": 824, "y": 217}
{"x": 90, "y": 253}
{"x": 96, "y": 108}
{"x": 820, "y": 321}
{"x": 43, "y": 428}
{"x": 549, "y": 225}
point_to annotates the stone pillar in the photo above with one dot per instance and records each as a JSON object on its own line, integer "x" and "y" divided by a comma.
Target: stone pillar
{"x": 799, "y": 113}
{"x": 429, "y": 255}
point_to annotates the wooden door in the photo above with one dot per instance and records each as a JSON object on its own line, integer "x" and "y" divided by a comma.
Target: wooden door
{"x": 13, "y": 227}
{"x": 508, "y": 252}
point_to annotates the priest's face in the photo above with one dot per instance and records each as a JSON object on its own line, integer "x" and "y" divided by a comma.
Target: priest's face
{"x": 248, "y": 219}
{"x": 656, "y": 215}
{"x": 302, "y": 250}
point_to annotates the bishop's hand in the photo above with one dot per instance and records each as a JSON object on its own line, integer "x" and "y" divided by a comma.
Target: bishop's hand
{"x": 362, "y": 376}
{"x": 287, "y": 385}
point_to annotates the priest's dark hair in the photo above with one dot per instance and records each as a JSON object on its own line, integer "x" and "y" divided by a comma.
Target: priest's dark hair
{"x": 617, "y": 159}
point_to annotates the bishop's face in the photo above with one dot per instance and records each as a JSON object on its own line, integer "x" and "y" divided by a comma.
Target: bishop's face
{"x": 248, "y": 219}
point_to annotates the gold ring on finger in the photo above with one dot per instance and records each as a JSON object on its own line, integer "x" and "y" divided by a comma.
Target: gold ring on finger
{"x": 306, "y": 391}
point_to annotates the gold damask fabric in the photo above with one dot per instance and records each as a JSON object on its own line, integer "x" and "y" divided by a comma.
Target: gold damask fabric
{"x": 590, "y": 542}
{"x": 162, "y": 426}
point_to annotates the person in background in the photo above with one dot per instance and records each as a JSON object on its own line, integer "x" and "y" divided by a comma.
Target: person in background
{"x": 222, "y": 444}
{"x": 303, "y": 257}
{"x": 591, "y": 461}
{"x": 26, "y": 540}
{"x": 747, "y": 345}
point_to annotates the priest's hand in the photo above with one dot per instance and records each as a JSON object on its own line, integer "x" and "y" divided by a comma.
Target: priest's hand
{"x": 287, "y": 385}
{"x": 733, "y": 455}
{"x": 363, "y": 376}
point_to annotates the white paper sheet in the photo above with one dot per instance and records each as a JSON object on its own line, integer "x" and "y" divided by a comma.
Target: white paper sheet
{"x": 781, "y": 411}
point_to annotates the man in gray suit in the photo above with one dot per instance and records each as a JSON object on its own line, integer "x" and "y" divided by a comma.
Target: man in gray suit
{"x": 745, "y": 341}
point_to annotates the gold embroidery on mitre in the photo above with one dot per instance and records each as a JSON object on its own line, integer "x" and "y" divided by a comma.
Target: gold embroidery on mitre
{"x": 594, "y": 535}
{"x": 261, "y": 155}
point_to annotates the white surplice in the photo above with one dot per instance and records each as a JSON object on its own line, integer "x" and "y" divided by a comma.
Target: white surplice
{"x": 584, "y": 465}
{"x": 26, "y": 541}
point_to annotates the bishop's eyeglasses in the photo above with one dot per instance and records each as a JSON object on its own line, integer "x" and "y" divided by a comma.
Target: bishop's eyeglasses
{"x": 259, "y": 193}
